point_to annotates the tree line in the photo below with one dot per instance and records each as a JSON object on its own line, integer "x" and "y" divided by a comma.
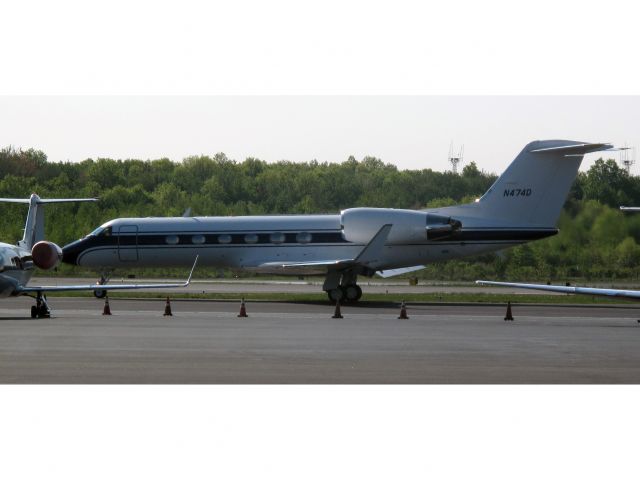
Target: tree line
{"x": 597, "y": 241}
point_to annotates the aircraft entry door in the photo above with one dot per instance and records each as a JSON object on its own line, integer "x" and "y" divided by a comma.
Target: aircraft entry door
{"x": 128, "y": 243}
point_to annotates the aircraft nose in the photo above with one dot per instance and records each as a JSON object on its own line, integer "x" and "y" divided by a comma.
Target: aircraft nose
{"x": 71, "y": 252}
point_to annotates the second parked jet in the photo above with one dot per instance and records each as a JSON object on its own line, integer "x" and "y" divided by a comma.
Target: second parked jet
{"x": 522, "y": 205}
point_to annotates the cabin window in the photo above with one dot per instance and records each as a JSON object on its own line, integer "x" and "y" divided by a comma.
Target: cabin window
{"x": 251, "y": 238}
{"x": 224, "y": 238}
{"x": 197, "y": 239}
{"x": 303, "y": 237}
{"x": 172, "y": 239}
{"x": 277, "y": 237}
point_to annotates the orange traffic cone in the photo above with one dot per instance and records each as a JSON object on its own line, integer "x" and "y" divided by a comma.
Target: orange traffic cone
{"x": 106, "y": 310}
{"x": 508, "y": 316}
{"x": 243, "y": 310}
{"x": 167, "y": 309}
{"x": 403, "y": 312}
{"x": 336, "y": 313}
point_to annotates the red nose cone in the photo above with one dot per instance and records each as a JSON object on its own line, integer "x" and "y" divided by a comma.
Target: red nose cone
{"x": 46, "y": 255}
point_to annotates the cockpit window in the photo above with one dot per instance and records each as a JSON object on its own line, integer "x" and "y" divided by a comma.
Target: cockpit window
{"x": 101, "y": 232}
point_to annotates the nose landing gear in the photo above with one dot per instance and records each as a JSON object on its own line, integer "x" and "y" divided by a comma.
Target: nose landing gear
{"x": 40, "y": 309}
{"x": 103, "y": 280}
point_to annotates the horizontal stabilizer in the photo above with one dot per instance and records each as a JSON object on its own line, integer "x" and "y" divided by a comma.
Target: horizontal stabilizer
{"x": 577, "y": 149}
{"x": 604, "y": 292}
{"x": 399, "y": 271}
{"x": 39, "y": 201}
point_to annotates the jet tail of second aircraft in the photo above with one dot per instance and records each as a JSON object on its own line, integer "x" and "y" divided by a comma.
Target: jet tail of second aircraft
{"x": 533, "y": 189}
{"x": 34, "y": 225}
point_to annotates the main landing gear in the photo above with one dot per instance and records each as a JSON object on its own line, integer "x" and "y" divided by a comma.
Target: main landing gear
{"x": 348, "y": 293}
{"x": 40, "y": 309}
{"x": 341, "y": 286}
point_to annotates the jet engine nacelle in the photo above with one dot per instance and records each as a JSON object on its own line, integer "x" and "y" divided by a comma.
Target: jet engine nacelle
{"x": 359, "y": 225}
{"x": 46, "y": 255}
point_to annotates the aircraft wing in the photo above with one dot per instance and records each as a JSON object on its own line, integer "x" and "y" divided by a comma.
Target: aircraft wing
{"x": 133, "y": 286}
{"x": 371, "y": 255}
{"x": 399, "y": 271}
{"x": 342, "y": 263}
{"x": 605, "y": 292}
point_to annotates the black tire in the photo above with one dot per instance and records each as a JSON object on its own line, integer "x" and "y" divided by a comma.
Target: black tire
{"x": 34, "y": 311}
{"x": 359, "y": 293}
{"x": 352, "y": 293}
{"x": 99, "y": 293}
{"x": 336, "y": 294}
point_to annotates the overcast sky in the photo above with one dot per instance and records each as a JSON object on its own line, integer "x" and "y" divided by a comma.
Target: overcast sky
{"x": 408, "y": 131}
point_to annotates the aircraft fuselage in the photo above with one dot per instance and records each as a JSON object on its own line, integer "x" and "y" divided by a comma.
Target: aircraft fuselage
{"x": 16, "y": 268}
{"x": 260, "y": 242}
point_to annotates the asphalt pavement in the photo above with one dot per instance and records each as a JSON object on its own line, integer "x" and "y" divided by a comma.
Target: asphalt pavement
{"x": 299, "y": 343}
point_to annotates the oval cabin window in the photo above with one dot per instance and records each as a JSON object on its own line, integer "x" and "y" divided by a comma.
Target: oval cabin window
{"x": 172, "y": 239}
{"x": 251, "y": 238}
{"x": 303, "y": 237}
{"x": 197, "y": 239}
{"x": 224, "y": 238}
{"x": 277, "y": 237}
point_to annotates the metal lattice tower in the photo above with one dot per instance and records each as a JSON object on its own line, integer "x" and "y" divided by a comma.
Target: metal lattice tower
{"x": 627, "y": 157}
{"x": 455, "y": 159}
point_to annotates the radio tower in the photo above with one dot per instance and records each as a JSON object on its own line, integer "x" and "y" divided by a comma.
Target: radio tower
{"x": 455, "y": 159}
{"x": 627, "y": 160}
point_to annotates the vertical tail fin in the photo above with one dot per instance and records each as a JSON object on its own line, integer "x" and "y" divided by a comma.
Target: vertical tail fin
{"x": 34, "y": 225}
{"x": 533, "y": 189}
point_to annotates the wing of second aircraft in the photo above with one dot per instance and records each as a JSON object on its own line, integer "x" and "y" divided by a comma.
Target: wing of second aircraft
{"x": 20, "y": 290}
{"x": 605, "y": 292}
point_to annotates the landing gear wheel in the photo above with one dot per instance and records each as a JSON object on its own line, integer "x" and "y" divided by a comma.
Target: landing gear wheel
{"x": 352, "y": 292}
{"x": 336, "y": 294}
{"x": 104, "y": 278}
{"x": 40, "y": 309}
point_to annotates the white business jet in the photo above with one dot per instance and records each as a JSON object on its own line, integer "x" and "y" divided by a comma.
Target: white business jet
{"x": 522, "y": 205}
{"x": 18, "y": 262}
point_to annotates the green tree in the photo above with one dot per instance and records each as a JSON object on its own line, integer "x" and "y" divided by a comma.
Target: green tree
{"x": 607, "y": 182}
